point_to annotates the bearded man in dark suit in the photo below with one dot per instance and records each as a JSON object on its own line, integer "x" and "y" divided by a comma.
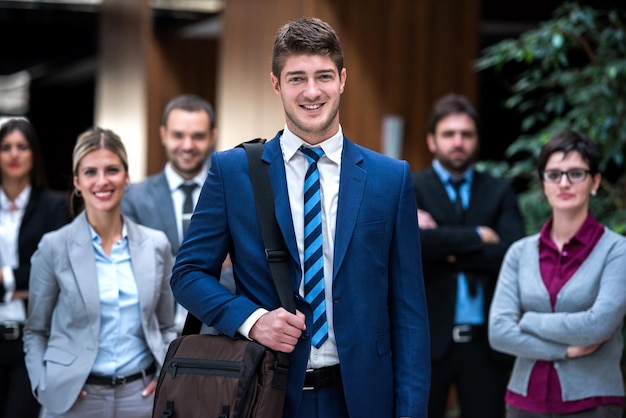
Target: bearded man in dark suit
{"x": 467, "y": 221}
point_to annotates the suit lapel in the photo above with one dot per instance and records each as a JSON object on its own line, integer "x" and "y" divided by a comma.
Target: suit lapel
{"x": 31, "y": 205}
{"x": 83, "y": 264}
{"x": 478, "y": 194}
{"x": 436, "y": 191}
{"x": 143, "y": 264}
{"x": 351, "y": 188}
{"x": 165, "y": 209}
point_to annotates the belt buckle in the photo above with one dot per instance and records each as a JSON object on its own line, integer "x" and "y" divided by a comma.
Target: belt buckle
{"x": 14, "y": 330}
{"x": 457, "y": 336}
{"x": 305, "y": 387}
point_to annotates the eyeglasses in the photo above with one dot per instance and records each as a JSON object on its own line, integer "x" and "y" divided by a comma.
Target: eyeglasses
{"x": 574, "y": 175}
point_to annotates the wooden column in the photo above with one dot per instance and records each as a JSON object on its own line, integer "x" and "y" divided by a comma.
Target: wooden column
{"x": 121, "y": 88}
{"x": 248, "y": 107}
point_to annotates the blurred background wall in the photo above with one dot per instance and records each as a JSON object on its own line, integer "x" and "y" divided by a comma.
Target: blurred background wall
{"x": 70, "y": 64}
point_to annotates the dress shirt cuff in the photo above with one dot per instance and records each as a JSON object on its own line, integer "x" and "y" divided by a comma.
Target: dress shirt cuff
{"x": 244, "y": 329}
{"x": 8, "y": 280}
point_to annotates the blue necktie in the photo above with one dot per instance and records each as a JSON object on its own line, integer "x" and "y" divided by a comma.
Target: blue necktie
{"x": 313, "y": 255}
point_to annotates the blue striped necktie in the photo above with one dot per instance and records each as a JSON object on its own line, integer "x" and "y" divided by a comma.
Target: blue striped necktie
{"x": 313, "y": 254}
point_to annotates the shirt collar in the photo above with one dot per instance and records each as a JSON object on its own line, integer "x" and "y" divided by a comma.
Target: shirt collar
{"x": 445, "y": 175}
{"x": 333, "y": 146}
{"x": 583, "y": 236}
{"x": 175, "y": 180}
{"x": 20, "y": 201}
{"x": 96, "y": 238}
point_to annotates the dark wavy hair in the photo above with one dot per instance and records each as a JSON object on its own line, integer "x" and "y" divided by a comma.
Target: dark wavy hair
{"x": 566, "y": 142}
{"x": 37, "y": 173}
{"x": 451, "y": 104}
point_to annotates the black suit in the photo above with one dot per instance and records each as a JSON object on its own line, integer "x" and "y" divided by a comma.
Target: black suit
{"x": 492, "y": 203}
{"x": 45, "y": 211}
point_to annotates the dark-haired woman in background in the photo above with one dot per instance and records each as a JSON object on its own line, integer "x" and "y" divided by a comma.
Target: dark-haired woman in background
{"x": 561, "y": 297}
{"x": 27, "y": 211}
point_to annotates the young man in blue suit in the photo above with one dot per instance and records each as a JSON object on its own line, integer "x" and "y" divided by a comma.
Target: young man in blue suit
{"x": 364, "y": 350}
{"x": 465, "y": 230}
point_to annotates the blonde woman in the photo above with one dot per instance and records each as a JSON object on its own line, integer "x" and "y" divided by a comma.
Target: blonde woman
{"x": 101, "y": 313}
{"x": 27, "y": 211}
{"x": 560, "y": 299}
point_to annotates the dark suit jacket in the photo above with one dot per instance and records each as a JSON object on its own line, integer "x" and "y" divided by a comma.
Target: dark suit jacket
{"x": 46, "y": 211}
{"x": 379, "y": 302}
{"x": 492, "y": 203}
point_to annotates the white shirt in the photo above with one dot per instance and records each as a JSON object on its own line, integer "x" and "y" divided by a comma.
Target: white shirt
{"x": 10, "y": 223}
{"x": 329, "y": 167}
{"x": 178, "y": 196}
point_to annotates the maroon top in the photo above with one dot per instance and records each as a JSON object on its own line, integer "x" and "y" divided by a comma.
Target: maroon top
{"x": 544, "y": 388}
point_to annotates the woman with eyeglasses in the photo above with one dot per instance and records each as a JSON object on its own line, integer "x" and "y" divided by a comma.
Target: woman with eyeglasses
{"x": 560, "y": 298}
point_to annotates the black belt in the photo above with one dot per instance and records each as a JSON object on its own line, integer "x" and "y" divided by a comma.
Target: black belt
{"x": 468, "y": 333}
{"x": 119, "y": 380}
{"x": 11, "y": 330}
{"x": 322, "y": 378}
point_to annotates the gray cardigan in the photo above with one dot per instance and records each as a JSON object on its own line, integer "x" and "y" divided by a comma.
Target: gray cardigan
{"x": 590, "y": 308}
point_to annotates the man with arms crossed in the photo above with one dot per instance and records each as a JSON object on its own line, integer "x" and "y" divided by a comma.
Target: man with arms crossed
{"x": 358, "y": 342}
{"x": 467, "y": 220}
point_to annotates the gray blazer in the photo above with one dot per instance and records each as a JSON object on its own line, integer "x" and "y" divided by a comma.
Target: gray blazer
{"x": 149, "y": 203}
{"x": 589, "y": 309}
{"x": 62, "y": 331}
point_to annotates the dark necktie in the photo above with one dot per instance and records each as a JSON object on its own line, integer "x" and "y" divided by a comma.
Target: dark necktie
{"x": 460, "y": 212}
{"x": 188, "y": 188}
{"x": 458, "y": 202}
{"x": 313, "y": 254}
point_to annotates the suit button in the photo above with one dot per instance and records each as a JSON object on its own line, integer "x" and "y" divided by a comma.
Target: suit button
{"x": 306, "y": 335}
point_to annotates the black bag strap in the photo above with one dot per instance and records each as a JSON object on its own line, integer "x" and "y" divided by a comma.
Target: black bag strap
{"x": 275, "y": 250}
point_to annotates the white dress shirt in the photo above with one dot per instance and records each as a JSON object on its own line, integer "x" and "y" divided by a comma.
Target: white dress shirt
{"x": 178, "y": 195}
{"x": 10, "y": 223}
{"x": 329, "y": 167}
{"x": 178, "y": 198}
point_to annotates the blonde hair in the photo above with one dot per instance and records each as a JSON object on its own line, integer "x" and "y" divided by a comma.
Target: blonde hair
{"x": 95, "y": 139}
{"x": 89, "y": 141}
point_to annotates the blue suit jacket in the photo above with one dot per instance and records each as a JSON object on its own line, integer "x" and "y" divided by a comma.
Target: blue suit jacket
{"x": 380, "y": 317}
